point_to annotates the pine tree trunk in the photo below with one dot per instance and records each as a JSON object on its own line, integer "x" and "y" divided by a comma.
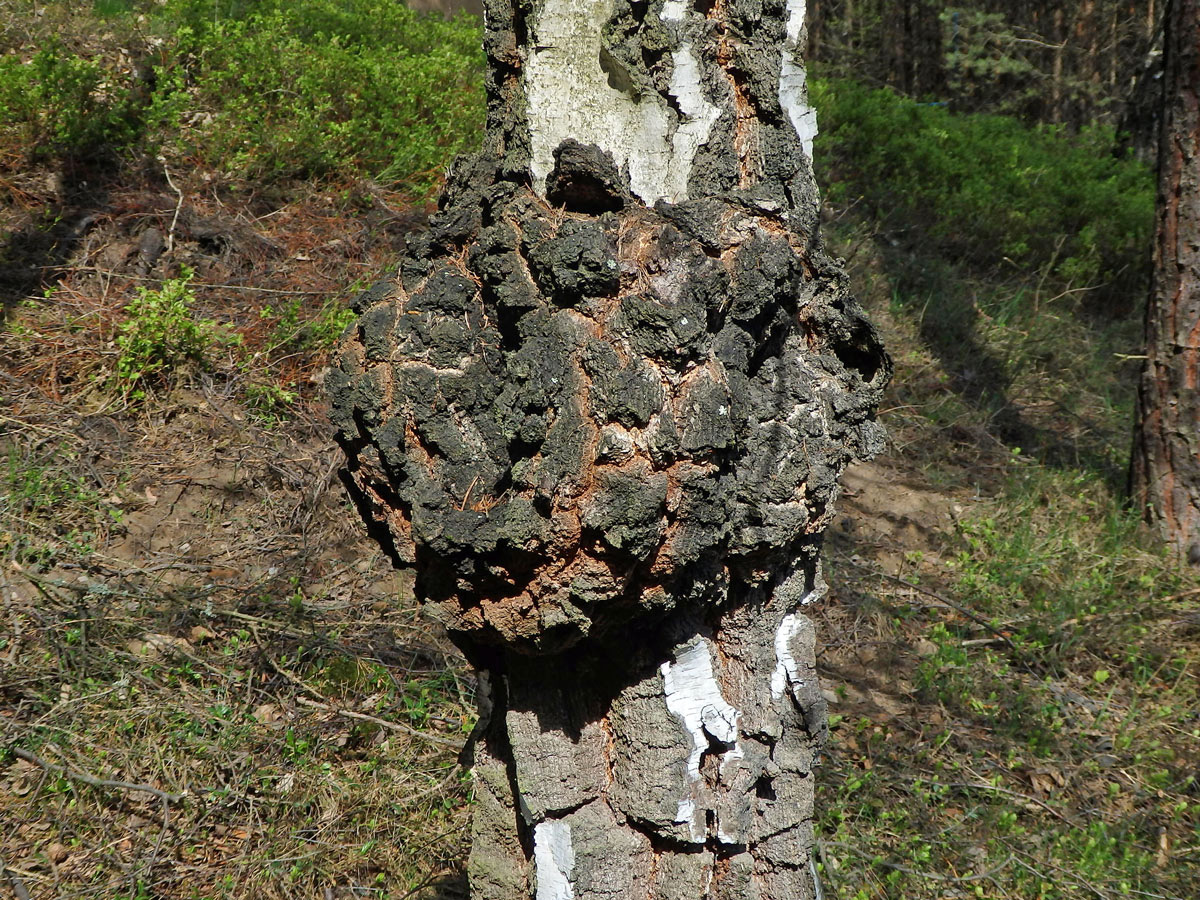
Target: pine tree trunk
{"x": 1056, "y": 74}
{"x": 1165, "y": 471}
{"x": 602, "y": 411}
{"x": 928, "y": 53}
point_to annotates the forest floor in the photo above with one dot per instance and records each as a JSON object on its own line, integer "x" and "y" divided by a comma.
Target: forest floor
{"x": 212, "y": 684}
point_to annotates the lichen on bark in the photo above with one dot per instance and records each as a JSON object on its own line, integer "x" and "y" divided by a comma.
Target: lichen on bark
{"x": 601, "y": 409}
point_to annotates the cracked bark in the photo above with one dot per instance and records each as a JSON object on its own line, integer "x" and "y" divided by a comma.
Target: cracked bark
{"x": 1165, "y": 472}
{"x": 601, "y": 409}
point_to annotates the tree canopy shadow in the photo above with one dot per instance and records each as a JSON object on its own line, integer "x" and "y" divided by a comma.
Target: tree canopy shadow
{"x": 949, "y": 325}
{"x": 47, "y": 236}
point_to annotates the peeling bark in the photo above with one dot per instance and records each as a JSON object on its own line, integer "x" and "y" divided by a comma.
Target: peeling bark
{"x": 664, "y": 768}
{"x": 1165, "y": 471}
{"x": 601, "y": 410}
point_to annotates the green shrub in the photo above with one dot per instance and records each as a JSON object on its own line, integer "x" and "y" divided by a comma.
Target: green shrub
{"x": 160, "y": 334}
{"x": 259, "y": 90}
{"x": 989, "y": 189}
{"x": 325, "y": 88}
{"x": 58, "y": 103}
{"x": 294, "y": 330}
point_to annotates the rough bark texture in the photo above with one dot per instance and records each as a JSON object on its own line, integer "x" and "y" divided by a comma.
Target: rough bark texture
{"x": 602, "y": 410}
{"x": 1165, "y": 474}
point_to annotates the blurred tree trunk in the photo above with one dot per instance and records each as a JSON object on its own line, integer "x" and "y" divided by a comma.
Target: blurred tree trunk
{"x": 1165, "y": 469}
{"x": 816, "y": 28}
{"x": 923, "y": 41}
{"x": 1139, "y": 126}
{"x": 1073, "y": 63}
{"x": 1056, "y": 77}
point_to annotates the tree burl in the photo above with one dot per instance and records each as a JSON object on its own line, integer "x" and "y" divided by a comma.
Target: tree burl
{"x": 601, "y": 411}
{"x": 571, "y": 423}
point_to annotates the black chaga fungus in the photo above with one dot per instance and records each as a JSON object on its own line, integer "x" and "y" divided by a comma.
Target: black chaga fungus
{"x": 583, "y": 417}
{"x": 601, "y": 410}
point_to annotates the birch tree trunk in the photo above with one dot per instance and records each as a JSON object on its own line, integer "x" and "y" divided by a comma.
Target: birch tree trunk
{"x": 602, "y": 410}
{"x": 1165, "y": 472}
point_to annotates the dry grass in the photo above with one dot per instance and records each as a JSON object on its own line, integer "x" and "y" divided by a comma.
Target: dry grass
{"x": 1010, "y": 659}
{"x": 212, "y": 683}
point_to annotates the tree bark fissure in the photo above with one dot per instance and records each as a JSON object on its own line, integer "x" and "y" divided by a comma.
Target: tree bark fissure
{"x": 1165, "y": 471}
{"x": 699, "y": 767}
{"x": 601, "y": 409}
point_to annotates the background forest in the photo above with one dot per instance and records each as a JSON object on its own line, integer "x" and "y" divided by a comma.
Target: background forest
{"x": 213, "y": 686}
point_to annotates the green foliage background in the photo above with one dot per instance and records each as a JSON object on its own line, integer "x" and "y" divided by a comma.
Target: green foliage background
{"x": 255, "y": 90}
{"x": 263, "y": 90}
{"x": 989, "y": 189}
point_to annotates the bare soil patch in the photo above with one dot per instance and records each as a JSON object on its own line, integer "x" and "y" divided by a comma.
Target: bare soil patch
{"x": 217, "y": 685}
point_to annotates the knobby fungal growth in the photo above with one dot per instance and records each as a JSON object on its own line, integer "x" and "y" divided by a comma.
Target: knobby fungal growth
{"x": 601, "y": 410}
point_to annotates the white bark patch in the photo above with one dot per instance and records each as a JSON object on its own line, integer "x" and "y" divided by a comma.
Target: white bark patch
{"x": 569, "y": 96}
{"x": 699, "y": 117}
{"x": 695, "y": 697}
{"x": 787, "y": 671}
{"x": 793, "y": 91}
{"x": 554, "y": 860}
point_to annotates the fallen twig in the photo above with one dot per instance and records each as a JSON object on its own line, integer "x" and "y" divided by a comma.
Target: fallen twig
{"x": 981, "y": 786}
{"x": 974, "y": 617}
{"x": 178, "y": 207}
{"x": 321, "y": 702}
{"x": 1180, "y": 596}
{"x": 1064, "y": 874}
{"x": 383, "y": 723}
{"x": 933, "y": 876}
{"x": 56, "y": 432}
{"x": 166, "y": 799}
{"x": 91, "y": 780}
{"x": 205, "y": 285}
{"x": 18, "y": 886}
